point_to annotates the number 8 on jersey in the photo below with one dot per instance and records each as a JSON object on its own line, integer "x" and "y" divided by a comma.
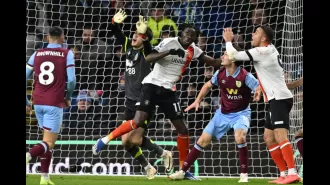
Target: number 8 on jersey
{"x": 46, "y": 76}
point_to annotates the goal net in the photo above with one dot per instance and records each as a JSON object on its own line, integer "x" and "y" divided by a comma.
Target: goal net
{"x": 100, "y": 64}
{"x": 292, "y": 57}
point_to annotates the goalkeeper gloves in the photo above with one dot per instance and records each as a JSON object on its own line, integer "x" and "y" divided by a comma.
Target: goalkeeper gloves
{"x": 119, "y": 17}
{"x": 178, "y": 52}
{"x": 141, "y": 25}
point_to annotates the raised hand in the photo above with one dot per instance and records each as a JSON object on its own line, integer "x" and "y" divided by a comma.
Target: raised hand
{"x": 228, "y": 35}
{"x": 119, "y": 17}
{"x": 141, "y": 25}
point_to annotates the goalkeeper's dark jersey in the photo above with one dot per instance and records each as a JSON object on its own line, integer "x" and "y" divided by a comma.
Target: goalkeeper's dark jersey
{"x": 136, "y": 66}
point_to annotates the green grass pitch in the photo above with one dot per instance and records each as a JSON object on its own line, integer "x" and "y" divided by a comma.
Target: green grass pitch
{"x": 126, "y": 180}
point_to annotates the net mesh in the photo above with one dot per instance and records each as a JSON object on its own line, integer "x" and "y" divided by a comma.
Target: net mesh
{"x": 292, "y": 57}
{"x": 100, "y": 66}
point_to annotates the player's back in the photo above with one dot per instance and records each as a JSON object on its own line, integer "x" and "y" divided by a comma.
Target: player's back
{"x": 271, "y": 74}
{"x": 50, "y": 76}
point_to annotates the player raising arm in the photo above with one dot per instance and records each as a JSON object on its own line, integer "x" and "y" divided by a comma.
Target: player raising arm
{"x": 235, "y": 85}
{"x": 268, "y": 66}
{"x": 136, "y": 69}
{"x": 299, "y": 133}
{"x": 183, "y": 46}
{"x": 51, "y": 66}
{"x": 171, "y": 57}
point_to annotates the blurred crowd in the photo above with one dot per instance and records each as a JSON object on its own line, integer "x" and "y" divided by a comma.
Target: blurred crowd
{"x": 98, "y": 102}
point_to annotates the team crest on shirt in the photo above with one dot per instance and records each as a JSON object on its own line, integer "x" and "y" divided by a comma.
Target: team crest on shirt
{"x": 223, "y": 81}
{"x": 129, "y": 63}
{"x": 238, "y": 84}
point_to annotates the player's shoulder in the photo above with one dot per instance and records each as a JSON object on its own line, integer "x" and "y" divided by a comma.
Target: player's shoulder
{"x": 221, "y": 70}
{"x": 170, "y": 40}
{"x": 270, "y": 49}
{"x": 166, "y": 43}
{"x": 243, "y": 71}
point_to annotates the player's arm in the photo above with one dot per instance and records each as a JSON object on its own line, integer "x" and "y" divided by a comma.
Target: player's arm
{"x": 71, "y": 75}
{"x": 117, "y": 19}
{"x": 209, "y": 61}
{"x": 295, "y": 84}
{"x": 120, "y": 37}
{"x": 142, "y": 30}
{"x": 29, "y": 71}
{"x": 147, "y": 48}
{"x": 204, "y": 91}
{"x": 207, "y": 86}
{"x": 254, "y": 54}
{"x": 155, "y": 55}
{"x": 251, "y": 82}
{"x": 161, "y": 51}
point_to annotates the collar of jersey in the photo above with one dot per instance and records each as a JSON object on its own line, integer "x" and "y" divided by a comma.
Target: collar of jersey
{"x": 54, "y": 45}
{"x": 235, "y": 73}
{"x": 177, "y": 39}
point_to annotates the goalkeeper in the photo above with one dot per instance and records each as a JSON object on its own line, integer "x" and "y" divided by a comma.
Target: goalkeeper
{"x": 136, "y": 69}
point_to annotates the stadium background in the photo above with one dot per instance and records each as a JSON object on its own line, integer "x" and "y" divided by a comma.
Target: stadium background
{"x": 100, "y": 65}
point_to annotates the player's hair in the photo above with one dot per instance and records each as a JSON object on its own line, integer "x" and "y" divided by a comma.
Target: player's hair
{"x": 168, "y": 29}
{"x": 184, "y": 26}
{"x": 55, "y": 32}
{"x": 268, "y": 32}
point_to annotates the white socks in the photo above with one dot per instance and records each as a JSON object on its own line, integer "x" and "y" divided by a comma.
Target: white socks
{"x": 292, "y": 171}
{"x": 105, "y": 140}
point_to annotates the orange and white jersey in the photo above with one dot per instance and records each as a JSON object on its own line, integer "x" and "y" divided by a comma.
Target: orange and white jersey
{"x": 268, "y": 66}
{"x": 169, "y": 69}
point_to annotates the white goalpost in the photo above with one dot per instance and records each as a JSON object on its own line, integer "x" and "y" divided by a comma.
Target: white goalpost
{"x": 100, "y": 64}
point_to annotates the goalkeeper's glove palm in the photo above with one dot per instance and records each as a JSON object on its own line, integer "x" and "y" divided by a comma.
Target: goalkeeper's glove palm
{"x": 119, "y": 17}
{"x": 141, "y": 25}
